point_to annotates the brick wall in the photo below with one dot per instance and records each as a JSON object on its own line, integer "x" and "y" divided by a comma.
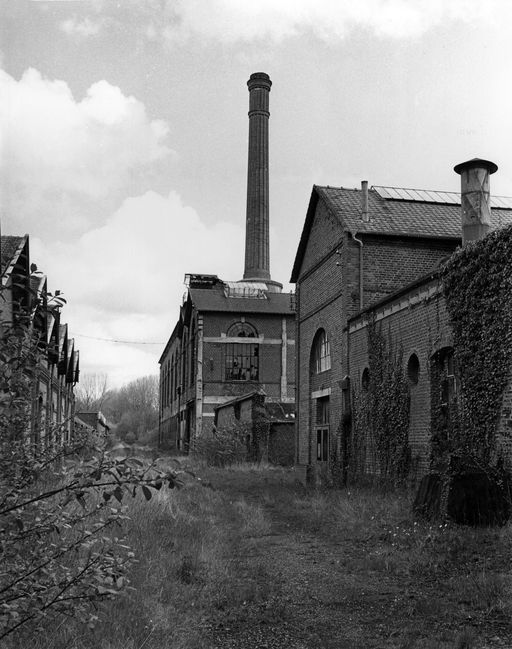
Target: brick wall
{"x": 270, "y": 362}
{"x": 391, "y": 263}
{"x": 328, "y": 293}
{"x": 420, "y": 326}
{"x": 326, "y": 232}
{"x": 215, "y": 389}
{"x": 330, "y": 319}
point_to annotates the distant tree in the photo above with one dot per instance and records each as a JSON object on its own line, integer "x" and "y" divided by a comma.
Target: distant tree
{"x": 92, "y": 392}
{"x": 136, "y": 406}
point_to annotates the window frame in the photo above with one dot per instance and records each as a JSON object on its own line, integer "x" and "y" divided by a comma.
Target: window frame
{"x": 321, "y": 352}
{"x": 242, "y": 359}
{"x": 322, "y": 427}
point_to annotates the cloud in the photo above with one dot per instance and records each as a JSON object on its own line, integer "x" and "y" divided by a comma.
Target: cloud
{"x": 58, "y": 152}
{"x": 82, "y": 28}
{"x": 233, "y": 21}
{"x": 124, "y": 280}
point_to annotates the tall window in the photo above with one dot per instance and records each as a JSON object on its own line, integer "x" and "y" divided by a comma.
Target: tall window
{"x": 321, "y": 353}
{"x": 184, "y": 359}
{"x": 322, "y": 429}
{"x": 448, "y": 380}
{"x": 192, "y": 355}
{"x": 446, "y": 384}
{"x": 242, "y": 359}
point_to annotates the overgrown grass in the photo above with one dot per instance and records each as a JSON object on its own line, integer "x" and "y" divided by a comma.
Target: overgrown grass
{"x": 198, "y": 562}
{"x": 188, "y": 543}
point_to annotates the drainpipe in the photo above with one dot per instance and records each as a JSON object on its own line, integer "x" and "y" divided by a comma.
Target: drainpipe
{"x": 360, "y": 269}
{"x": 365, "y": 216}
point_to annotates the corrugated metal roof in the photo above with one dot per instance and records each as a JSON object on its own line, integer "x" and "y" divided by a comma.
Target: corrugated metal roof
{"x": 431, "y": 196}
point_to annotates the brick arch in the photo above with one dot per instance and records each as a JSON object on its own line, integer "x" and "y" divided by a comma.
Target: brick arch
{"x": 319, "y": 354}
{"x": 242, "y": 329}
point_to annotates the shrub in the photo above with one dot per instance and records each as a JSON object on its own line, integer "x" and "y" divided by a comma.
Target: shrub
{"x": 224, "y": 446}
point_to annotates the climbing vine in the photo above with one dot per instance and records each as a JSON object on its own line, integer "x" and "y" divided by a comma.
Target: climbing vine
{"x": 381, "y": 414}
{"x": 477, "y": 285}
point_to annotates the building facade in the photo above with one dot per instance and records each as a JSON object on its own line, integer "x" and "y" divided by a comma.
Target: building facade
{"x": 362, "y": 253}
{"x": 28, "y": 312}
{"x": 232, "y": 338}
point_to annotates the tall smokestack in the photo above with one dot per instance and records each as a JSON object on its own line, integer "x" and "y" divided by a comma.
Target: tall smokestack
{"x": 257, "y": 265}
{"x": 475, "y": 197}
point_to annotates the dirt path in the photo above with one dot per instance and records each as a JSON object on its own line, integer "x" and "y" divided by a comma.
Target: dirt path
{"x": 309, "y": 589}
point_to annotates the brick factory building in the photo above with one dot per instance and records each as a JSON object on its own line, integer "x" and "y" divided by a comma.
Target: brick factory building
{"x": 231, "y": 338}
{"x": 369, "y": 262}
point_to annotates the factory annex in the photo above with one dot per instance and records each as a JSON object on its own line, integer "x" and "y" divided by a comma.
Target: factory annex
{"x": 369, "y": 287}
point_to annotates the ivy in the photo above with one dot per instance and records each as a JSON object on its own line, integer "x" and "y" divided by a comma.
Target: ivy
{"x": 477, "y": 286}
{"x": 381, "y": 414}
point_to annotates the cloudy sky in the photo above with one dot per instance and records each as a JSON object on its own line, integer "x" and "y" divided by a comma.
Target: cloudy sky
{"x": 124, "y": 128}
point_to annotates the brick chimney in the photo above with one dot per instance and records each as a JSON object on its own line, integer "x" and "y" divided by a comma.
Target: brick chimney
{"x": 475, "y": 197}
{"x": 257, "y": 265}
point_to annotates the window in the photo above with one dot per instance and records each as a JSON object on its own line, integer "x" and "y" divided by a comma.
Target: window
{"x": 321, "y": 353}
{"x": 193, "y": 355}
{"x": 242, "y": 362}
{"x": 446, "y": 385}
{"x": 322, "y": 429}
{"x": 242, "y": 330}
{"x": 365, "y": 380}
{"x": 413, "y": 369}
{"x": 448, "y": 380}
{"x": 242, "y": 359}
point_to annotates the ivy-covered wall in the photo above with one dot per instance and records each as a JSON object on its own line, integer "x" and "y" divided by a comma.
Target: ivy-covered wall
{"x": 379, "y": 442}
{"x": 477, "y": 287}
{"x": 457, "y": 321}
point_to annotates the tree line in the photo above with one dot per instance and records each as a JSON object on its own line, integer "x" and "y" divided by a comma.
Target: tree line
{"x": 132, "y": 409}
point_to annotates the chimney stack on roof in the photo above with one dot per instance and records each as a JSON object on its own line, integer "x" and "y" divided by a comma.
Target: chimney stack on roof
{"x": 257, "y": 264}
{"x": 475, "y": 197}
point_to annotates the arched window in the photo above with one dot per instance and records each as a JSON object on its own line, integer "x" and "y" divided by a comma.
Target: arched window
{"x": 321, "y": 353}
{"x": 242, "y": 359}
{"x": 242, "y": 330}
{"x": 413, "y": 369}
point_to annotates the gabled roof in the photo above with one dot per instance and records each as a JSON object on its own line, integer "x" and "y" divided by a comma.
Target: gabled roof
{"x": 10, "y": 249}
{"x": 430, "y": 219}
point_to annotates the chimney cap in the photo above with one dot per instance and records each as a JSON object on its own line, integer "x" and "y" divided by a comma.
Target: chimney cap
{"x": 478, "y": 163}
{"x": 259, "y": 80}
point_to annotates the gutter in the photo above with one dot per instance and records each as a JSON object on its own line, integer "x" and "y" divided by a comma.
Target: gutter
{"x": 361, "y": 285}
